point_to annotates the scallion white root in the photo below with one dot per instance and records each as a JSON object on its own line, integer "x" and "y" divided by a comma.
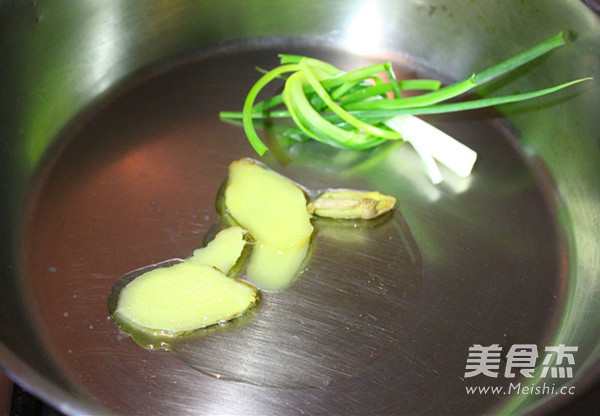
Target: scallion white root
{"x": 432, "y": 143}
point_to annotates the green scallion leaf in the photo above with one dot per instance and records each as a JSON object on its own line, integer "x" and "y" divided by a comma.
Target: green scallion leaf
{"x": 354, "y": 109}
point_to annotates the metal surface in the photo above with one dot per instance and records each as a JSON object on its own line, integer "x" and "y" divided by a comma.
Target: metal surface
{"x": 116, "y": 154}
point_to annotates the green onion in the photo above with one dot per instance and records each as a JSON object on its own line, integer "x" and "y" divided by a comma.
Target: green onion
{"x": 255, "y": 141}
{"x": 432, "y": 143}
{"x": 383, "y": 88}
{"x": 360, "y": 110}
{"x": 379, "y": 115}
{"x": 428, "y": 99}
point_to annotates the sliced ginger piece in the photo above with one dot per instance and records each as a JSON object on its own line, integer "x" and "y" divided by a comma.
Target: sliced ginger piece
{"x": 349, "y": 204}
{"x": 269, "y": 206}
{"x": 273, "y": 269}
{"x": 223, "y": 251}
{"x": 183, "y": 297}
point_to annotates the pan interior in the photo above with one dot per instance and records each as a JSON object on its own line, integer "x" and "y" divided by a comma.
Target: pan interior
{"x": 382, "y": 317}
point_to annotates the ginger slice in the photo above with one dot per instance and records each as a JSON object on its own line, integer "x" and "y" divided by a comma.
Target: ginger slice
{"x": 268, "y": 205}
{"x": 349, "y": 204}
{"x": 181, "y": 298}
{"x": 274, "y": 269}
{"x": 223, "y": 251}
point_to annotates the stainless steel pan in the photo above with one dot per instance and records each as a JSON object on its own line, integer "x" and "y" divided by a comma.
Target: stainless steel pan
{"x": 113, "y": 155}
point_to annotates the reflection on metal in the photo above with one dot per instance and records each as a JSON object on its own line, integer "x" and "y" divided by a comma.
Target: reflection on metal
{"x": 365, "y": 29}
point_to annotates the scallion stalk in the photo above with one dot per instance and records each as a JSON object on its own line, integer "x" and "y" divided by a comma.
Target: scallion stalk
{"x": 358, "y": 110}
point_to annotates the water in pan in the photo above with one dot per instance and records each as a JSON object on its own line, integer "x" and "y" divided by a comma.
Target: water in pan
{"x": 381, "y": 320}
